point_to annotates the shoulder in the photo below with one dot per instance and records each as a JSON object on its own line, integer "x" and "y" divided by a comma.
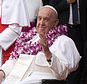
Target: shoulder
{"x": 64, "y": 40}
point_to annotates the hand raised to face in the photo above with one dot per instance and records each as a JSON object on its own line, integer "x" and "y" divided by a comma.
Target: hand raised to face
{"x": 46, "y": 19}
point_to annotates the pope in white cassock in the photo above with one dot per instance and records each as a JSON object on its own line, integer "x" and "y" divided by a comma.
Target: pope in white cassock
{"x": 49, "y": 55}
{"x": 16, "y": 14}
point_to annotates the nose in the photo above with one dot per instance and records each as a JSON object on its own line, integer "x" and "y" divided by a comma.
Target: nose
{"x": 41, "y": 22}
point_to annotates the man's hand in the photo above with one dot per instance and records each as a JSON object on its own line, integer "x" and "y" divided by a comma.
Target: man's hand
{"x": 71, "y": 1}
{"x": 44, "y": 44}
{"x": 1, "y": 75}
{"x": 43, "y": 41}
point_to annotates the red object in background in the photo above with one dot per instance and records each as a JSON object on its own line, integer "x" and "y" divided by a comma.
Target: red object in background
{"x": 2, "y": 26}
{"x": 5, "y": 54}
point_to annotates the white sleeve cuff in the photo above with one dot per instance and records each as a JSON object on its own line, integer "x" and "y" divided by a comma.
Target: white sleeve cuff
{"x": 7, "y": 37}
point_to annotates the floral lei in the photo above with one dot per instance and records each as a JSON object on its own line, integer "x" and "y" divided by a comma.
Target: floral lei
{"x": 23, "y": 44}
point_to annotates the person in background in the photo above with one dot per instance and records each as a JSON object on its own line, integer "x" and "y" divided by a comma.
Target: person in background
{"x": 45, "y": 53}
{"x": 6, "y": 53}
{"x": 16, "y": 17}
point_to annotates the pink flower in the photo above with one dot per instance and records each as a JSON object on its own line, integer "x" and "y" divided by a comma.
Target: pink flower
{"x": 23, "y": 44}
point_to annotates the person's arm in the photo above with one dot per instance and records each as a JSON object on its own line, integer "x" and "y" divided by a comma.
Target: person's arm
{"x": 66, "y": 57}
{"x": 2, "y": 75}
{"x": 6, "y": 68}
{"x": 9, "y": 35}
{"x": 57, "y": 62}
{"x": 71, "y": 1}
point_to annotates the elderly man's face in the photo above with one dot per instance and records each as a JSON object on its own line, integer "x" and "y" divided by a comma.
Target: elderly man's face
{"x": 46, "y": 20}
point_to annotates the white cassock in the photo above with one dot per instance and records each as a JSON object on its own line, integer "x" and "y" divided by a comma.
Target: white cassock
{"x": 30, "y": 69}
{"x": 8, "y": 37}
{"x": 20, "y": 12}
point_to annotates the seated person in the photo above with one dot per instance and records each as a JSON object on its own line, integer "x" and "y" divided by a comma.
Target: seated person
{"x": 46, "y": 55}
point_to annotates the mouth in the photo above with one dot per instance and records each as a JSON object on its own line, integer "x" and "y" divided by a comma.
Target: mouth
{"x": 42, "y": 28}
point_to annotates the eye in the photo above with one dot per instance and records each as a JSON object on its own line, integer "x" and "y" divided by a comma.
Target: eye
{"x": 46, "y": 19}
{"x": 39, "y": 18}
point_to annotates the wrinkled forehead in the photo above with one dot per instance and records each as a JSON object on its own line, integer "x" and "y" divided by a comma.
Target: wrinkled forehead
{"x": 47, "y": 12}
{"x": 50, "y": 9}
